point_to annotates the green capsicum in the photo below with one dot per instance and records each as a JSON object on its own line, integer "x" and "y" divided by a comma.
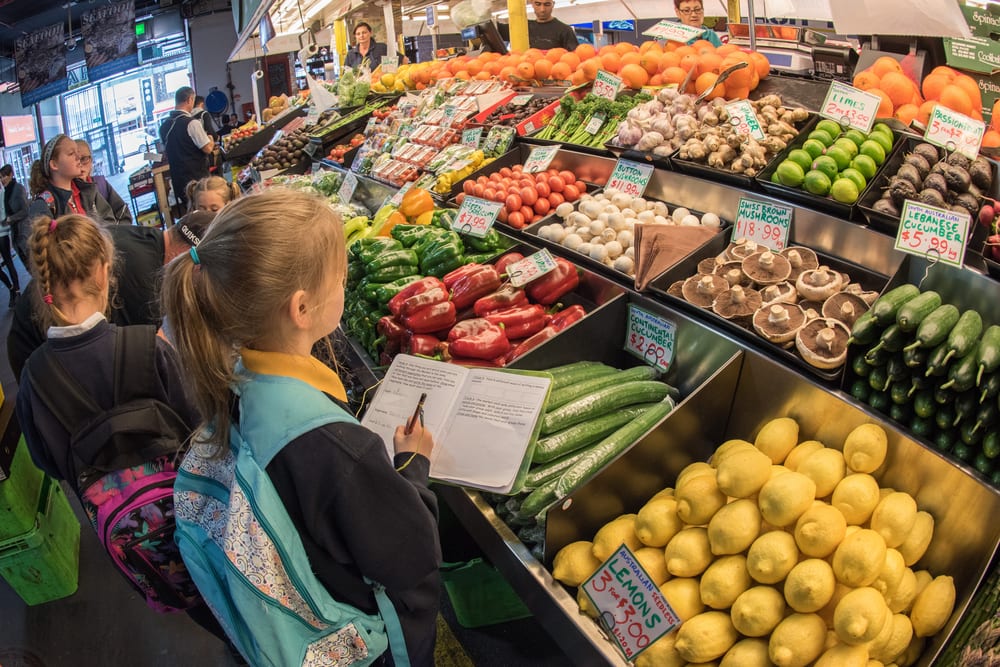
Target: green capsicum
{"x": 491, "y": 241}
{"x": 388, "y": 290}
{"x": 368, "y": 292}
{"x": 443, "y": 217}
{"x": 431, "y": 237}
{"x": 408, "y": 235}
{"x": 481, "y": 257}
{"x": 355, "y": 271}
{"x": 400, "y": 257}
{"x": 391, "y": 273}
{"x": 377, "y": 246}
{"x": 447, "y": 251}
{"x": 443, "y": 266}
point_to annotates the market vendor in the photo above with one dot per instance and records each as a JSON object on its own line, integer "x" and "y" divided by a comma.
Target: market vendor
{"x": 365, "y": 48}
{"x": 692, "y": 13}
{"x": 548, "y": 32}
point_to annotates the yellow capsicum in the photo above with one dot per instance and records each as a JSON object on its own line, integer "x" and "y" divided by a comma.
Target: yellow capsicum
{"x": 415, "y": 202}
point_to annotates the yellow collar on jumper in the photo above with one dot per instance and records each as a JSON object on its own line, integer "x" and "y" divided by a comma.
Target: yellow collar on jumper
{"x": 310, "y": 370}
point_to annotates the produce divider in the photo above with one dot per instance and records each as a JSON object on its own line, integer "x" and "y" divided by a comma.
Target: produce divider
{"x": 243, "y": 151}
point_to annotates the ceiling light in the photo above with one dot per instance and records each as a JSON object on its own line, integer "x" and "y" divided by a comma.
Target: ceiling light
{"x": 442, "y": 8}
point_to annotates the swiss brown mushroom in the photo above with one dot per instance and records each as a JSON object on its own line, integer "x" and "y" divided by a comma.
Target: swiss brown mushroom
{"x": 676, "y": 289}
{"x": 737, "y": 304}
{"x": 818, "y": 284}
{"x": 781, "y": 293}
{"x": 857, "y": 289}
{"x": 733, "y": 273}
{"x": 702, "y": 290}
{"x": 823, "y": 343}
{"x": 766, "y": 268}
{"x": 740, "y": 249}
{"x": 779, "y": 322}
{"x": 801, "y": 259}
{"x": 844, "y": 307}
{"x": 708, "y": 265}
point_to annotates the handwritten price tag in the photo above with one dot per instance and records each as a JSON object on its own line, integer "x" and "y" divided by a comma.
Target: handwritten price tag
{"x": 539, "y": 159}
{"x": 520, "y": 100}
{"x": 397, "y": 198}
{"x": 347, "y": 187}
{"x": 594, "y": 125}
{"x": 311, "y": 148}
{"x": 312, "y": 116}
{"x": 928, "y": 231}
{"x": 650, "y": 337}
{"x": 744, "y": 119}
{"x": 534, "y": 266}
{"x": 765, "y": 224}
{"x": 849, "y": 106}
{"x": 450, "y": 112}
{"x": 676, "y": 32}
{"x": 476, "y": 216}
{"x": 606, "y": 85}
{"x": 390, "y": 64}
{"x": 631, "y": 607}
{"x": 955, "y": 132}
{"x": 630, "y": 177}
{"x": 470, "y": 137}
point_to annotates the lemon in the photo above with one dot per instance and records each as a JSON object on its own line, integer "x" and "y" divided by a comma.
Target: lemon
{"x": 698, "y": 499}
{"x": 810, "y": 585}
{"x": 819, "y": 530}
{"x": 922, "y": 578}
{"x": 690, "y": 472}
{"x": 734, "y": 527}
{"x": 661, "y": 653}
{"x": 657, "y": 522}
{"x": 575, "y": 563}
{"x": 911, "y": 654}
{"x": 902, "y": 597}
{"x": 613, "y": 534}
{"x": 865, "y": 448}
{"x": 757, "y": 611}
{"x": 743, "y": 472}
{"x": 882, "y": 639}
{"x": 885, "y": 648}
{"x": 771, "y": 557}
{"x": 856, "y": 496}
{"x": 797, "y": 641}
{"x": 706, "y": 637}
{"x": 651, "y": 560}
{"x": 660, "y": 495}
{"x": 784, "y": 498}
{"x": 933, "y": 607}
{"x": 777, "y": 438}
{"x": 684, "y": 596}
{"x": 825, "y": 468}
{"x": 688, "y": 553}
{"x": 778, "y": 470}
{"x": 860, "y": 616}
{"x": 858, "y": 560}
{"x": 826, "y": 613}
{"x": 724, "y": 581}
{"x": 891, "y": 573}
{"x": 918, "y": 539}
{"x": 747, "y": 653}
{"x": 894, "y": 517}
{"x": 586, "y": 606}
{"x": 800, "y": 452}
{"x": 844, "y": 655}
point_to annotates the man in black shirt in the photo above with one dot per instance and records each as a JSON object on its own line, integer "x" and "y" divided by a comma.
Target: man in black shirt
{"x": 186, "y": 143}
{"x": 546, "y": 32}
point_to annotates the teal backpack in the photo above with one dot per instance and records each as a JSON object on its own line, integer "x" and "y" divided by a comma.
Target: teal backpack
{"x": 245, "y": 555}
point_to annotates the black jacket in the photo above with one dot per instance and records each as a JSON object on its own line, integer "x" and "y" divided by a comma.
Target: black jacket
{"x": 187, "y": 161}
{"x": 16, "y": 202}
{"x": 94, "y": 205}
{"x": 374, "y": 56}
{"x": 121, "y": 211}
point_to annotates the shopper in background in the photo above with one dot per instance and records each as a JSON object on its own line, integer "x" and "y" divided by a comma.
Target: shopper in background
{"x": 279, "y": 415}
{"x": 7, "y": 229}
{"x": 229, "y": 123}
{"x": 123, "y": 216}
{"x": 211, "y": 194}
{"x": 15, "y": 201}
{"x": 365, "y": 50}
{"x": 187, "y": 145}
{"x": 57, "y": 187}
{"x": 200, "y": 113}
{"x": 548, "y": 32}
{"x": 692, "y": 13}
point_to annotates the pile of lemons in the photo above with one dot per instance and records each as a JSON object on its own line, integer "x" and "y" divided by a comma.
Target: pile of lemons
{"x": 781, "y": 553}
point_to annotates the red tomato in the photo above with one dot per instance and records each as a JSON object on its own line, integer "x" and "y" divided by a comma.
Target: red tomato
{"x": 482, "y": 180}
{"x": 557, "y": 184}
{"x": 555, "y": 199}
{"x": 490, "y": 193}
{"x": 513, "y": 202}
{"x": 517, "y": 168}
{"x": 528, "y": 213}
{"x": 529, "y": 196}
{"x": 515, "y": 220}
{"x": 580, "y": 186}
{"x": 477, "y": 190}
{"x": 502, "y": 215}
{"x": 542, "y": 206}
{"x": 495, "y": 177}
{"x": 507, "y": 181}
{"x": 567, "y": 176}
{"x": 551, "y": 171}
{"x": 527, "y": 183}
{"x": 467, "y": 187}
{"x": 506, "y": 172}
{"x": 460, "y": 198}
{"x": 570, "y": 192}
{"x": 543, "y": 189}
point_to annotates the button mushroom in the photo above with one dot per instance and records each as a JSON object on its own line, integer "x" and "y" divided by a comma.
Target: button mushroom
{"x": 766, "y": 268}
{"x": 781, "y": 293}
{"x": 823, "y": 343}
{"x": 779, "y": 322}
{"x": 702, "y": 290}
{"x": 733, "y": 273}
{"x": 844, "y": 307}
{"x": 801, "y": 259}
{"x": 818, "y": 284}
{"x": 737, "y": 304}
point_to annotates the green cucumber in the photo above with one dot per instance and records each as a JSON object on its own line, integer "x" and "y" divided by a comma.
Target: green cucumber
{"x": 964, "y": 335}
{"x": 915, "y": 357}
{"x": 935, "y": 361}
{"x": 606, "y": 450}
{"x": 583, "y": 434}
{"x": 900, "y": 412}
{"x": 986, "y": 416}
{"x": 886, "y": 306}
{"x": 878, "y": 379}
{"x": 896, "y": 368}
{"x": 602, "y": 402}
{"x": 860, "y": 366}
{"x": 923, "y": 404}
{"x": 571, "y": 377}
{"x": 541, "y": 474}
{"x": 966, "y": 405}
{"x": 922, "y": 427}
{"x": 865, "y": 331}
{"x": 900, "y": 394}
{"x": 539, "y": 499}
{"x": 988, "y": 354}
{"x": 892, "y": 340}
{"x": 962, "y": 375}
{"x": 934, "y": 328}
{"x": 572, "y": 392}
{"x": 556, "y": 371}
{"x": 990, "y": 388}
{"x": 912, "y": 313}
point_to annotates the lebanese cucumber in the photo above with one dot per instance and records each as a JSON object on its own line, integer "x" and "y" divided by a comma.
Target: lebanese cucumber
{"x": 964, "y": 335}
{"x": 538, "y": 499}
{"x": 988, "y": 354}
{"x": 585, "y": 433}
{"x": 865, "y": 331}
{"x": 912, "y": 313}
{"x": 892, "y": 340}
{"x": 886, "y": 306}
{"x": 566, "y": 394}
{"x": 936, "y": 365}
{"x": 990, "y": 388}
{"x": 915, "y": 357}
{"x": 606, "y": 450}
{"x": 602, "y": 402}
{"x": 962, "y": 375}
{"x": 572, "y": 376}
{"x": 934, "y": 328}
{"x": 540, "y": 474}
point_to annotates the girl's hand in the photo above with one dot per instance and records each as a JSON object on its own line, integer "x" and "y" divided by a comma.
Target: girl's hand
{"x": 419, "y": 440}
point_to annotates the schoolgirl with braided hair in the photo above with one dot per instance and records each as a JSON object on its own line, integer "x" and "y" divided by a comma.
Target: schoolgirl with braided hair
{"x": 211, "y": 194}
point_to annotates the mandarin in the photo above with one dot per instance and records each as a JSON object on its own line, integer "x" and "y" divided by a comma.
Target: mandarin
{"x": 571, "y": 59}
{"x": 971, "y": 88}
{"x": 634, "y": 75}
{"x": 673, "y": 75}
{"x": 710, "y": 62}
{"x": 707, "y": 82}
{"x": 991, "y": 139}
{"x": 907, "y": 113}
{"x": 631, "y": 58}
{"x": 650, "y": 61}
{"x": 590, "y": 67}
{"x": 761, "y": 63}
{"x": 526, "y": 70}
{"x": 866, "y": 80}
{"x": 689, "y": 62}
{"x": 885, "y": 109}
{"x": 955, "y": 98}
{"x": 561, "y": 71}
{"x": 886, "y": 64}
{"x": 585, "y": 51}
{"x": 926, "y": 109}
{"x": 543, "y": 68}
{"x": 611, "y": 62}
{"x": 554, "y": 55}
{"x": 898, "y": 87}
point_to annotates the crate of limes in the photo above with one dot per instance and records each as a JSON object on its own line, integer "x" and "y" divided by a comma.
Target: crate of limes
{"x": 829, "y": 167}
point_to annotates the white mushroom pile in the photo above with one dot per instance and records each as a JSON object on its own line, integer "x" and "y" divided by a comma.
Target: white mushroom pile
{"x": 602, "y": 226}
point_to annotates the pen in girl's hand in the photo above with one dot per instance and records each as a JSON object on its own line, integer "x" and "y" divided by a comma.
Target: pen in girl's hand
{"x": 418, "y": 413}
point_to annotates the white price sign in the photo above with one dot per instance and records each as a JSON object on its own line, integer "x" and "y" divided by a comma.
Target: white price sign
{"x": 390, "y": 64}
{"x": 347, "y": 187}
{"x": 606, "y": 85}
{"x": 955, "y": 132}
{"x": 928, "y": 231}
{"x": 650, "y": 337}
{"x": 630, "y": 177}
{"x": 470, "y": 137}
{"x": 397, "y": 198}
{"x": 539, "y": 159}
{"x": 594, "y": 125}
{"x": 476, "y": 216}
{"x": 744, "y": 119}
{"x": 850, "y": 106}
{"x": 765, "y": 224}
{"x": 533, "y": 266}
{"x": 520, "y": 100}
{"x": 673, "y": 31}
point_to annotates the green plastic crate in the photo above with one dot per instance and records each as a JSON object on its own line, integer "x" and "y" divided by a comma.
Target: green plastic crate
{"x": 19, "y": 494}
{"x": 480, "y": 595}
{"x": 43, "y": 564}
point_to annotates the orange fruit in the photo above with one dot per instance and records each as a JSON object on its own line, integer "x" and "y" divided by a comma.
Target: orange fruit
{"x": 917, "y": 99}
{"x": 585, "y": 51}
{"x": 885, "y": 109}
{"x": 554, "y": 55}
{"x": 685, "y": 50}
{"x": 991, "y": 139}
{"x": 955, "y": 98}
{"x": 898, "y": 87}
{"x": 971, "y": 88}
{"x": 907, "y": 113}
{"x": 945, "y": 71}
{"x": 483, "y": 76}
{"x": 561, "y": 71}
{"x": 631, "y": 58}
{"x": 650, "y": 61}
{"x": 651, "y": 45}
{"x": 611, "y": 62}
{"x": 735, "y": 93}
{"x": 865, "y": 80}
{"x": 577, "y": 77}
{"x": 754, "y": 78}
{"x": 634, "y": 75}
{"x": 673, "y": 75}
{"x": 462, "y": 74}
{"x": 571, "y": 59}
{"x": 590, "y": 67}
{"x": 526, "y": 70}
{"x": 884, "y": 65}
{"x": 543, "y": 68}
{"x": 474, "y": 67}
{"x": 703, "y": 46}
{"x": 761, "y": 63}
{"x": 707, "y": 81}
{"x": 726, "y": 49}
{"x": 626, "y": 47}
{"x": 607, "y": 48}
{"x": 737, "y": 78}
{"x": 534, "y": 54}
{"x": 507, "y": 73}
{"x": 710, "y": 62}
{"x": 926, "y": 109}
{"x": 933, "y": 84}
{"x": 655, "y": 80}
{"x": 669, "y": 59}
{"x": 689, "y": 62}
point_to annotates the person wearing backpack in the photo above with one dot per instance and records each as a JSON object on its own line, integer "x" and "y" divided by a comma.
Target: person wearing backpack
{"x": 306, "y": 540}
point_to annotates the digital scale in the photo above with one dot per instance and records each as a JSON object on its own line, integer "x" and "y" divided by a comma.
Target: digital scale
{"x": 798, "y": 51}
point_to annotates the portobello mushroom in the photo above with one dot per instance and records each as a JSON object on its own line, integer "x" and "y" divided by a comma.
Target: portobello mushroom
{"x": 767, "y": 268}
{"x": 740, "y": 249}
{"x": 779, "y": 322}
{"x": 819, "y": 284}
{"x": 801, "y": 259}
{"x": 737, "y": 304}
{"x": 844, "y": 307}
{"x": 708, "y": 265}
{"x": 733, "y": 273}
{"x": 676, "y": 289}
{"x": 784, "y": 292}
{"x": 823, "y": 343}
{"x": 702, "y": 290}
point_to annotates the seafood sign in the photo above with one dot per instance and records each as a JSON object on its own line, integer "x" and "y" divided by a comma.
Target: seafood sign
{"x": 109, "y": 39}
{"x": 41, "y": 64}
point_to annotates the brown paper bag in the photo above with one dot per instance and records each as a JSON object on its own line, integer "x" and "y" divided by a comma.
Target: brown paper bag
{"x": 659, "y": 247}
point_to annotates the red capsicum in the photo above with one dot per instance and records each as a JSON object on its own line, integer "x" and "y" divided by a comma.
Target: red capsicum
{"x": 479, "y": 282}
{"x": 506, "y": 260}
{"x": 531, "y": 343}
{"x": 431, "y": 317}
{"x": 461, "y": 272}
{"x": 418, "y": 302}
{"x": 422, "y": 344}
{"x": 553, "y": 285}
{"x": 477, "y": 338}
{"x": 520, "y": 321}
{"x": 567, "y": 316}
{"x": 424, "y": 284}
{"x": 507, "y": 296}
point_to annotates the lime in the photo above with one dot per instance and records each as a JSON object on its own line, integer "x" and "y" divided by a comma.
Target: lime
{"x": 845, "y": 191}
{"x": 857, "y": 136}
{"x": 858, "y": 179}
{"x": 775, "y": 179}
{"x": 840, "y": 156}
{"x": 872, "y": 149}
{"x": 884, "y": 129}
{"x": 790, "y": 173}
{"x": 831, "y": 127}
{"x": 801, "y": 158}
{"x": 866, "y": 165}
{"x": 821, "y": 136}
{"x": 816, "y": 182}
{"x": 814, "y": 147}
{"x": 847, "y": 145}
{"x": 827, "y": 165}
{"x": 882, "y": 140}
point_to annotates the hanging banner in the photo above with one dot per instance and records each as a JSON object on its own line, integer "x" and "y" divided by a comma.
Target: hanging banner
{"x": 109, "y": 39}
{"x": 41, "y": 64}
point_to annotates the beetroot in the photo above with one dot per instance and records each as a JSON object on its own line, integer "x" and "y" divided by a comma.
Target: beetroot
{"x": 986, "y": 215}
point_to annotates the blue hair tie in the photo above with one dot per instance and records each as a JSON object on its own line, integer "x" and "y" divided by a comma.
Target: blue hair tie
{"x": 194, "y": 256}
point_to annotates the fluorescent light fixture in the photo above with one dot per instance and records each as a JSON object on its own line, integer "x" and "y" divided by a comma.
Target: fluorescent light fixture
{"x": 442, "y": 8}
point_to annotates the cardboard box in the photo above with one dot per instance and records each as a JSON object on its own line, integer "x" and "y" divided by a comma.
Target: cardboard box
{"x": 979, "y": 56}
